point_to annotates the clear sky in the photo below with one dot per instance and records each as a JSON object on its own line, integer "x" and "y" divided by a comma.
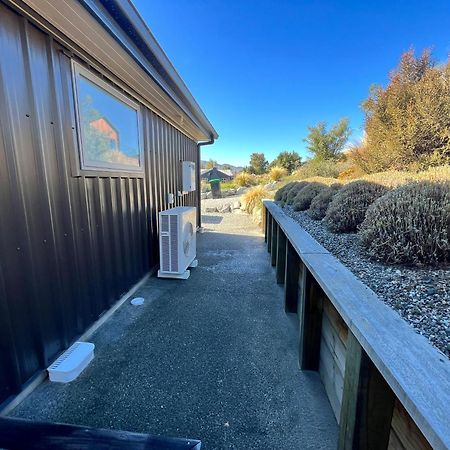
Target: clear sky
{"x": 264, "y": 70}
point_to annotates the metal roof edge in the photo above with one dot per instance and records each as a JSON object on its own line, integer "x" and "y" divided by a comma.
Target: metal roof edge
{"x": 150, "y": 55}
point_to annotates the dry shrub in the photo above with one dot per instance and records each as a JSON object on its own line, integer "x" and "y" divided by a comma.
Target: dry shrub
{"x": 244, "y": 179}
{"x": 407, "y": 123}
{"x": 323, "y": 180}
{"x": 277, "y": 173}
{"x": 351, "y": 173}
{"x": 305, "y": 195}
{"x": 252, "y": 199}
{"x": 293, "y": 191}
{"x": 390, "y": 179}
{"x": 328, "y": 168}
{"x": 348, "y": 207}
{"x": 322, "y": 200}
{"x": 409, "y": 224}
{"x": 439, "y": 173}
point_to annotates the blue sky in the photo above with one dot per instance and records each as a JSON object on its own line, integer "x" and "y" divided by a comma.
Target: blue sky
{"x": 264, "y": 70}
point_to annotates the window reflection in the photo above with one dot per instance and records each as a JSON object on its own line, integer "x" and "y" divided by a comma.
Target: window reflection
{"x": 109, "y": 128}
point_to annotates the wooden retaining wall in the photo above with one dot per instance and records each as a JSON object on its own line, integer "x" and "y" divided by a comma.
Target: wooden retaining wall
{"x": 389, "y": 388}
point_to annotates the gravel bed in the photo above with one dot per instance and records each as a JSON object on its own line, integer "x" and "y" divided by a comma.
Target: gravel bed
{"x": 420, "y": 295}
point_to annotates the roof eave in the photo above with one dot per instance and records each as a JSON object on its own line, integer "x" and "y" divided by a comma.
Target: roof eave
{"x": 145, "y": 48}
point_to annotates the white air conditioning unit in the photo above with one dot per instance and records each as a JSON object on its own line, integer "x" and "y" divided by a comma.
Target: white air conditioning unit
{"x": 177, "y": 242}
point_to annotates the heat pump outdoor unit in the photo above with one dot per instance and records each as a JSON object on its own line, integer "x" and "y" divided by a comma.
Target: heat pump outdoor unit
{"x": 177, "y": 243}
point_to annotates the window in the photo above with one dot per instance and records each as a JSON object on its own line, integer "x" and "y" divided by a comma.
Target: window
{"x": 108, "y": 124}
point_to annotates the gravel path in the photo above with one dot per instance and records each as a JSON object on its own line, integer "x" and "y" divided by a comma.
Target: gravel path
{"x": 213, "y": 357}
{"x": 420, "y": 295}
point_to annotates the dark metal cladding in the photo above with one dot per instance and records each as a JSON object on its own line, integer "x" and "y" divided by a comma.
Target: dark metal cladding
{"x": 70, "y": 246}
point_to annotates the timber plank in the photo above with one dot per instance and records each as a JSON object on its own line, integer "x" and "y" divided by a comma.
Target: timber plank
{"x": 394, "y": 442}
{"x": 334, "y": 343}
{"x": 327, "y": 378}
{"x": 406, "y": 430}
{"x": 332, "y": 379}
{"x": 336, "y": 321}
{"x": 331, "y": 366}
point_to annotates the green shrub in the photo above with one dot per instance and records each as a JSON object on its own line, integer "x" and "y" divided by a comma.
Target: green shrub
{"x": 292, "y": 193}
{"x": 409, "y": 224}
{"x": 305, "y": 195}
{"x": 348, "y": 207}
{"x": 286, "y": 192}
{"x": 279, "y": 193}
{"x": 322, "y": 200}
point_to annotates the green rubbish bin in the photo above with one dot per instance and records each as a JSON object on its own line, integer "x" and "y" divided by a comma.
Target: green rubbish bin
{"x": 215, "y": 188}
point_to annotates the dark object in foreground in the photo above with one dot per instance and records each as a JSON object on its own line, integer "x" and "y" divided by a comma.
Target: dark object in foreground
{"x": 25, "y": 434}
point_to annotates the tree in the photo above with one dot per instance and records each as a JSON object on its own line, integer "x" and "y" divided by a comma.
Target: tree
{"x": 227, "y": 167}
{"x": 210, "y": 164}
{"x": 258, "y": 163}
{"x": 288, "y": 160}
{"x": 96, "y": 144}
{"x": 407, "y": 124}
{"x": 327, "y": 144}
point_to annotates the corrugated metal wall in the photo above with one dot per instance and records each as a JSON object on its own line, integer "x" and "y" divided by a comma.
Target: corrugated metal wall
{"x": 69, "y": 246}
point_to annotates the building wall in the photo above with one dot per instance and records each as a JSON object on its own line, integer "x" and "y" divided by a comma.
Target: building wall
{"x": 70, "y": 246}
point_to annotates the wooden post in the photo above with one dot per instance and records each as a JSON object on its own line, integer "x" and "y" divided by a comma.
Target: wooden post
{"x": 291, "y": 279}
{"x": 367, "y": 402}
{"x": 281, "y": 256}
{"x": 274, "y": 243}
{"x": 269, "y": 231}
{"x": 310, "y": 321}
{"x": 264, "y": 221}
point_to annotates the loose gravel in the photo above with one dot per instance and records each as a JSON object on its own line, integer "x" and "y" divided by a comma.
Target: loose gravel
{"x": 421, "y": 295}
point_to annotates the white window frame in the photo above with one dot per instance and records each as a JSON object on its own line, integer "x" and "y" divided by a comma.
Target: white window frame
{"x": 79, "y": 70}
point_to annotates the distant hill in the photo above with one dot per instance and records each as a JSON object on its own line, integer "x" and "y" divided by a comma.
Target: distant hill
{"x": 234, "y": 169}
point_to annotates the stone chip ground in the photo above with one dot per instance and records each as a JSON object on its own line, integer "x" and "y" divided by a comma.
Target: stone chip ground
{"x": 213, "y": 358}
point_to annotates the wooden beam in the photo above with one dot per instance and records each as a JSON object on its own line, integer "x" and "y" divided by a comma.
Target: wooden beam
{"x": 269, "y": 231}
{"x": 274, "y": 243}
{"x": 310, "y": 309}
{"x": 367, "y": 403}
{"x": 281, "y": 255}
{"x": 19, "y": 433}
{"x": 291, "y": 279}
{"x": 264, "y": 221}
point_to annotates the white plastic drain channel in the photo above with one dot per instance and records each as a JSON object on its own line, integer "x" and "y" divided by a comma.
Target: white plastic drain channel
{"x": 72, "y": 362}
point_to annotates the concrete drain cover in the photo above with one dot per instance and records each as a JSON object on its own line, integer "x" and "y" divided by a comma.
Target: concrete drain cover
{"x": 138, "y": 301}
